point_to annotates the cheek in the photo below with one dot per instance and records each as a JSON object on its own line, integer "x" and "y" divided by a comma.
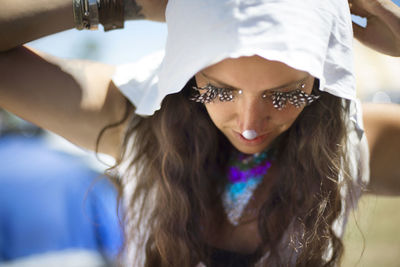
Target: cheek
{"x": 219, "y": 113}
{"x": 283, "y": 119}
{"x": 223, "y": 114}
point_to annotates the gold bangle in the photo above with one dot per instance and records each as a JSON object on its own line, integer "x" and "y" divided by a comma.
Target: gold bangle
{"x": 77, "y": 8}
{"x": 93, "y": 15}
{"x": 111, "y": 14}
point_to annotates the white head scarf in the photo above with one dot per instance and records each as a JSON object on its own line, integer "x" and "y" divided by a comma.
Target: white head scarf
{"x": 310, "y": 35}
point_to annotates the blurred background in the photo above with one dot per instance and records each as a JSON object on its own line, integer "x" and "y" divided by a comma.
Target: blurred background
{"x": 57, "y": 209}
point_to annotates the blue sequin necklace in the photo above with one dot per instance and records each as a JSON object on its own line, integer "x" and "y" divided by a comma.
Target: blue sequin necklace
{"x": 245, "y": 173}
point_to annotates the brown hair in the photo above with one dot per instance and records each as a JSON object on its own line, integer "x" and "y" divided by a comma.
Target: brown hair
{"x": 172, "y": 164}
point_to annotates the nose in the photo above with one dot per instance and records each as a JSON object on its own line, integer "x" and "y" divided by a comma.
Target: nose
{"x": 253, "y": 114}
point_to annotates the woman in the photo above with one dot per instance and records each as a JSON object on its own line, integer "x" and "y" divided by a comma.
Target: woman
{"x": 244, "y": 147}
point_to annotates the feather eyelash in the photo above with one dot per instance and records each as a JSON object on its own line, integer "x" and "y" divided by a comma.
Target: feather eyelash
{"x": 211, "y": 93}
{"x": 297, "y": 98}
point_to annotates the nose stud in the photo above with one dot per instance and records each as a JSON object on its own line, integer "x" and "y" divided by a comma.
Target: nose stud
{"x": 249, "y": 134}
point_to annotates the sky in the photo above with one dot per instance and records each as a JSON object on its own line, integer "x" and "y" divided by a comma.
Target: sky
{"x": 136, "y": 40}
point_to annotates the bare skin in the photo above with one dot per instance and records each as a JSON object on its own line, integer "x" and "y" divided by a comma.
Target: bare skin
{"x": 62, "y": 86}
{"x": 383, "y": 25}
{"x": 73, "y": 98}
{"x": 382, "y": 128}
{"x": 76, "y": 98}
{"x": 22, "y": 21}
{"x": 245, "y": 237}
{"x": 254, "y": 76}
{"x": 382, "y": 122}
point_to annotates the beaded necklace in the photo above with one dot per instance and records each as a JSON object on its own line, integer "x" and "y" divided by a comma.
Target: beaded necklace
{"x": 244, "y": 174}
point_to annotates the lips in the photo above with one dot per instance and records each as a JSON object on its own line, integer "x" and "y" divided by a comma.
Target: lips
{"x": 256, "y": 141}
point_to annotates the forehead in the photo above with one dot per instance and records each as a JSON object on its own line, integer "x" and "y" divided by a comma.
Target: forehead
{"x": 253, "y": 71}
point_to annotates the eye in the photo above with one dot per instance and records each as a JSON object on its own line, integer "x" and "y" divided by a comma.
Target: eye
{"x": 211, "y": 93}
{"x": 279, "y": 99}
{"x": 297, "y": 98}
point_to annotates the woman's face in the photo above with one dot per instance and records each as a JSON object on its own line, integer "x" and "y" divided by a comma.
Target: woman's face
{"x": 249, "y": 110}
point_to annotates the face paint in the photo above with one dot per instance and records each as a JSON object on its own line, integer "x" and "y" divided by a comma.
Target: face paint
{"x": 297, "y": 97}
{"x": 249, "y": 134}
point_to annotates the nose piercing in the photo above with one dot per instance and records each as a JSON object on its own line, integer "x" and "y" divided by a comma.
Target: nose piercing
{"x": 249, "y": 134}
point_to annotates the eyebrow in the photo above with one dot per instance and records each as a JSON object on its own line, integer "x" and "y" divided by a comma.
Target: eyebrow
{"x": 269, "y": 89}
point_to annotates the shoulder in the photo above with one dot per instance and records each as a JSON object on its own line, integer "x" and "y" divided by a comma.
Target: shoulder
{"x": 380, "y": 119}
{"x": 382, "y": 128}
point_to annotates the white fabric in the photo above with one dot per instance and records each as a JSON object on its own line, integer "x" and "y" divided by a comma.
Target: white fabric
{"x": 310, "y": 35}
{"x": 138, "y": 81}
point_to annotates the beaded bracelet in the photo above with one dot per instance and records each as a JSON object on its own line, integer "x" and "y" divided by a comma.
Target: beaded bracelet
{"x": 93, "y": 16}
{"x": 78, "y": 14}
{"x": 88, "y": 14}
{"x": 111, "y": 14}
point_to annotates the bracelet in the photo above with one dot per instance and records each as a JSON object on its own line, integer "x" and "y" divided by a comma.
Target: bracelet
{"x": 88, "y": 14}
{"x": 93, "y": 16}
{"x": 111, "y": 14}
{"x": 78, "y": 18}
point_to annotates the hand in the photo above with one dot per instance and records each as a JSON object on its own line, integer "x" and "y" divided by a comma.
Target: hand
{"x": 382, "y": 32}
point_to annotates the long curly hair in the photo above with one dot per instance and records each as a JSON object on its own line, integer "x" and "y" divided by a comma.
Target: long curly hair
{"x": 171, "y": 166}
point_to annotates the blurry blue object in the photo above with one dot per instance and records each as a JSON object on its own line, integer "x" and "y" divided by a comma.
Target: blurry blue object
{"x": 51, "y": 201}
{"x": 359, "y": 20}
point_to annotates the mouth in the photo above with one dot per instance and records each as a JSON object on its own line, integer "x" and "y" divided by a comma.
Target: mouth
{"x": 256, "y": 141}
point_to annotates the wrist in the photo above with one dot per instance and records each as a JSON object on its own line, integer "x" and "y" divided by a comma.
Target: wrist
{"x": 153, "y": 10}
{"x": 111, "y": 14}
{"x": 88, "y": 14}
{"x": 133, "y": 11}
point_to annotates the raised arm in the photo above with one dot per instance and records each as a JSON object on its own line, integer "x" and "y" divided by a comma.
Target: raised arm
{"x": 73, "y": 98}
{"x": 22, "y": 21}
{"x": 382, "y": 121}
{"x": 382, "y": 127}
{"x": 382, "y": 32}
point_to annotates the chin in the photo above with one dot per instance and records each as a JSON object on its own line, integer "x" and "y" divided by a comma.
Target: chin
{"x": 251, "y": 149}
